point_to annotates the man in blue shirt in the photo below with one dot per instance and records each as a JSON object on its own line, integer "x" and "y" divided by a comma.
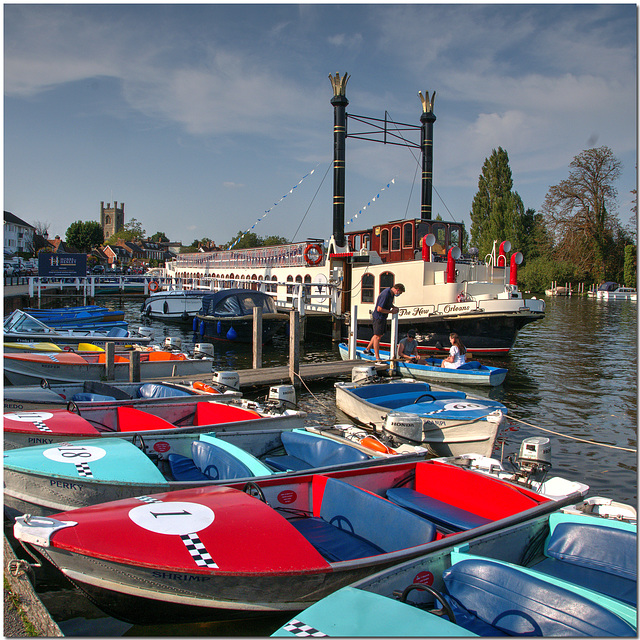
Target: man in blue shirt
{"x": 384, "y": 306}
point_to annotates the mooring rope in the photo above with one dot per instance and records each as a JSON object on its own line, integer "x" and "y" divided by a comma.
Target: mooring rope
{"x": 564, "y": 435}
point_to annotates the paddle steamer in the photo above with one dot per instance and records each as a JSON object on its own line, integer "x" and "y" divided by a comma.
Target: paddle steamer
{"x": 340, "y": 279}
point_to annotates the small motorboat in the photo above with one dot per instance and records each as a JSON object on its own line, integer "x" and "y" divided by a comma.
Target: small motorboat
{"x": 106, "y": 469}
{"x": 179, "y": 305}
{"x": 566, "y": 574}
{"x": 449, "y": 422}
{"x": 39, "y": 347}
{"x": 60, "y": 316}
{"x": 274, "y": 544}
{"x": 23, "y": 327}
{"x": 64, "y": 367}
{"x": 472, "y": 372}
{"x": 614, "y": 291}
{"x": 28, "y": 428}
{"x": 228, "y": 315}
{"x": 101, "y": 394}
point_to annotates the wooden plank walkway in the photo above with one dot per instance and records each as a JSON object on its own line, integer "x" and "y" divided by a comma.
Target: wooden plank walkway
{"x": 267, "y": 376}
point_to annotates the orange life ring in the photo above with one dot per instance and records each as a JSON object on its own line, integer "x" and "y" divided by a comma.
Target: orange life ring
{"x": 371, "y": 442}
{"x": 307, "y": 251}
{"x": 153, "y": 286}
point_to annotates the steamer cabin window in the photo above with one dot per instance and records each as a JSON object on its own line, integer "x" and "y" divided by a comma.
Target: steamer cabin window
{"x": 407, "y": 240}
{"x": 368, "y": 282}
{"x": 387, "y": 279}
{"x": 384, "y": 241}
{"x": 395, "y": 239}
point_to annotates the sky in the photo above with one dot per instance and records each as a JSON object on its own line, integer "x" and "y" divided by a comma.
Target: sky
{"x": 211, "y": 119}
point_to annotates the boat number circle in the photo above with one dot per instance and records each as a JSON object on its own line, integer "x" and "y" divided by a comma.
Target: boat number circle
{"x": 172, "y": 518}
{"x": 29, "y": 416}
{"x": 74, "y": 454}
{"x": 463, "y": 406}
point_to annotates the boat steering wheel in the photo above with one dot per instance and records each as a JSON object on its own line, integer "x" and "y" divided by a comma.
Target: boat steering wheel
{"x": 424, "y": 395}
{"x": 446, "y": 608}
{"x": 252, "y": 489}
{"x": 73, "y": 407}
{"x": 137, "y": 441}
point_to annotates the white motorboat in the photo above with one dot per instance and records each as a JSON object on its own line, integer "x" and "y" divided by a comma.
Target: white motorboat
{"x": 614, "y": 291}
{"x": 179, "y": 305}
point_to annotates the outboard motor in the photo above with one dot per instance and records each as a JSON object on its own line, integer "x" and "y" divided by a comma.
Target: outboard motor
{"x": 405, "y": 428}
{"x": 281, "y": 397}
{"x": 203, "y": 350}
{"x": 227, "y": 379}
{"x": 146, "y": 331}
{"x": 363, "y": 374}
{"x": 172, "y": 343}
{"x": 533, "y": 461}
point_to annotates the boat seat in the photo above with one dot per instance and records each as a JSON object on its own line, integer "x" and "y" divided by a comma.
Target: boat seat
{"x": 405, "y": 399}
{"x": 473, "y": 364}
{"x": 117, "y": 332}
{"x": 307, "y": 451}
{"x": 353, "y": 523}
{"x": 155, "y": 390}
{"x": 208, "y": 462}
{"x": 440, "y": 513}
{"x": 131, "y": 419}
{"x": 492, "y": 599}
{"x": 599, "y": 558}
{"x": 219, "y": 412}
{"x": 91, "y": 397}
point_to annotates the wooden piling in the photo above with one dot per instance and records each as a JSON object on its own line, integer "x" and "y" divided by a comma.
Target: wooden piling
{"x": 257, "y": 337}
{"x": 134, "y": 366}
{"x": 110, "y": 360}
{"x": 294, "y": 348}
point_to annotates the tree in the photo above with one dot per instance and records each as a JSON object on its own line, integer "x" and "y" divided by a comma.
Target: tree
{"x": 84, "y": 235}
{"x": 497, "y": 213}
{"x": 581, "y": 212}
{"x": 630, "y": 266}
{"x": 159, "y": 236}
{"x": 131, "y": 232}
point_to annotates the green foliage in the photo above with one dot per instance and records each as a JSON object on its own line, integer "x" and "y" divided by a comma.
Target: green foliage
{"x": 538, "y": 273}
{"x": 497, "y": 212}
{"x": 271, "y": 241}
{"x": 630, "y": 266}
{"x": 84, "y": 236}
{"x": 159, "y": 236}
{"x": 250, "y": 240}
{"x": 131, "y": 232}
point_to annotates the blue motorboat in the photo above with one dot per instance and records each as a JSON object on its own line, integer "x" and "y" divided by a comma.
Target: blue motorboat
{"x": 471, "y": 373}
{"x": 228, "y": 315}
{"x": 564, "y": 574}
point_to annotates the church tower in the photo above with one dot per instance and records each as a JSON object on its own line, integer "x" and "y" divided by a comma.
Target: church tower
{"x": 111, "y": 218}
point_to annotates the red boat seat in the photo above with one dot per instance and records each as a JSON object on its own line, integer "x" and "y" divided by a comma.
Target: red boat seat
{"x": 220, "y": 412}
{"x": 130, "y": 419}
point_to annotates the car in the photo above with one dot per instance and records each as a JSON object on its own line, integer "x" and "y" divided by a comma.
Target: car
{"x": 98, "y": 269}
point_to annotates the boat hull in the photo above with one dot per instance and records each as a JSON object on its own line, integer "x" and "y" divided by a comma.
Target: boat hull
{"x": 173, "y": 306}
{"x": 58, "y": 368}
{"x": 482, "y": 376}
{"x": 246, "y": 556}
{"x": 443, "y": 436}
{"x": 240, "y": 328}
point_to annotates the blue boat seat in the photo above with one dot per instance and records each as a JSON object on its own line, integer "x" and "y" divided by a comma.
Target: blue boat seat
{"x": 492, "y": 599}
{"x": 405, "y": 399}
{"x": 155, "y": 390}
{"x": 440, "y": 513}
{"x": 473, "y": 364}
{"x": 308, "y": 451}
{"x": 207, "y": 462}
{"x": 600, "y": 558}
{"x": 91, "y": 397}
{"x": 354, "y": 523}
{"x": 117, "y": 332}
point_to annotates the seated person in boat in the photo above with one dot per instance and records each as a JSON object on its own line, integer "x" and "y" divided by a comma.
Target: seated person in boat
{"x": 457, "y": 354}
{"x": 408, "y": 349}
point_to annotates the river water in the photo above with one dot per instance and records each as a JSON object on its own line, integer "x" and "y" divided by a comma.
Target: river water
{"x": 572, "y": 377}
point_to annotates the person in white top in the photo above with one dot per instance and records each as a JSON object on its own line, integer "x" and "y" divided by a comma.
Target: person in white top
{"x": 457, "y": 353}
